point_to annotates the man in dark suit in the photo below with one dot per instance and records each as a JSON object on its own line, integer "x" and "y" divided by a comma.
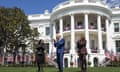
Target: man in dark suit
{"x": 59, "y": 44}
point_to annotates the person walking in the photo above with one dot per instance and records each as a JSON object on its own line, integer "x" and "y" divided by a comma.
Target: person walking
{"x": 82, "y": 52}
{"x": 59, "y": 44}
{"x": 40, "y": 55}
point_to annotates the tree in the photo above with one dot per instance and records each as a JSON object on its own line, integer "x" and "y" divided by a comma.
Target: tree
{"x": 35, "y": 34}
{"x": 14, "y": 28}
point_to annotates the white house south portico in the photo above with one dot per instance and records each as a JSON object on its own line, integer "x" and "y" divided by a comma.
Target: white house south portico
{"x": 92, "y": 19}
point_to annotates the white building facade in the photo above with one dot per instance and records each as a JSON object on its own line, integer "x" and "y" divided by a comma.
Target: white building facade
{"x": 93, "y": 19}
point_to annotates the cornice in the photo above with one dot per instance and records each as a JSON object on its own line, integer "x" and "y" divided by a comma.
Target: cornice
{"x": 81, "y": 9}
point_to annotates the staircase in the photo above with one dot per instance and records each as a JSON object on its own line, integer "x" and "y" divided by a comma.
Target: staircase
{"x": 106, "y": 63}
{"x": 51, "y": 61}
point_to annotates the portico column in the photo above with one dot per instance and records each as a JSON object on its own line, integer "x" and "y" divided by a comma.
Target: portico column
{"x": 53, "y": 36}
{"x": 100, "y": 43}
{"x": 87, "y": 32}
{"x": 107, "y": 33}
{"x": 54, "y": 29}
{"x": 72, "y": 34}
{"x": 61, "y": 26}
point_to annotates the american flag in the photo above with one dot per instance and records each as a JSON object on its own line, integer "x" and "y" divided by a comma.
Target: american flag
{"x": 75, "y": 63}
{"x": 16, "y": 59}
{"x": 29, "y": 58}
{"x": 107, "y": 54}
{"x": 117, "y": 57}
{"x": 2, "y": 60}
{"x": 25, "y": 58}
{"x": 112, "y": 56}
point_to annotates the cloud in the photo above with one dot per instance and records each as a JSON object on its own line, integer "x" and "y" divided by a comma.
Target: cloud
{"x": 112, "y": 3}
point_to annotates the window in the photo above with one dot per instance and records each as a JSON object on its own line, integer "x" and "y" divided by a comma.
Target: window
{"x": 47, "y": 47}
{"x": 117, "y": 45}
{"x": 68, "y": 44}
{"x": 104, "y": 45}
{"x": 47, "y": 30}
{"x": 116, "y": 27}
{"x": 92, "y": 44}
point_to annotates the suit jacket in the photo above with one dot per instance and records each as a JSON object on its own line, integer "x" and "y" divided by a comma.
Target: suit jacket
{"x": 60, "y": 45}
{"x": 40, "y": 50}
{"x": 81, "y": 45}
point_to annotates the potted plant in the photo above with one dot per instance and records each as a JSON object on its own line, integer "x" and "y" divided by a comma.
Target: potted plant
{"x": 71, "y": 63}
{"x": 89, "y": 63}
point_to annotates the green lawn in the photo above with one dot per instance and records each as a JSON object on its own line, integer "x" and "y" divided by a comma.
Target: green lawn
{"x": 34, "y": 69}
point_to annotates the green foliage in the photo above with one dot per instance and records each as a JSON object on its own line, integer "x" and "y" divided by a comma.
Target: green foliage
{"x": 14, "y": 28}
{"x": 89, "y": 63}
{"x": 35, "y": 32}
{"x": 52, "y": 69}
{"x": 34, "y": 35}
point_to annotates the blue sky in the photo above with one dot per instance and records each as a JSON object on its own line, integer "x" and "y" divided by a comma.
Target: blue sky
{"x": 31, "y": 6}
{"x": 35, "y": 6}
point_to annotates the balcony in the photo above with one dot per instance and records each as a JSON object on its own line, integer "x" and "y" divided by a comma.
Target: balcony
{"x": 75, "y": 2}
{"x": 80, "y": 27}
{"x": 67, "y": 50}
{"x": 57, "y": 30}
{"x": 103, "y": 29}
{"x": 95, "y": 50}
{"x": 67, "y": 28}
{"x": 92, "y": 27}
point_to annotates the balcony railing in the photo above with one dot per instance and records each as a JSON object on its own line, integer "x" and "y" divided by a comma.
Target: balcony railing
{"x": 67, "y": 28}
{"x": 79, "y": 27}
{"x": 76, "y": 2}
{"x": 91, "y": 27}
{"x": 95, "y": 51}
{"x": 103, "y": 29}
{"x": 67, "y": 50}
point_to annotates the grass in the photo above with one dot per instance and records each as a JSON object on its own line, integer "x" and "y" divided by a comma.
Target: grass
{"x": 48, "y": 69}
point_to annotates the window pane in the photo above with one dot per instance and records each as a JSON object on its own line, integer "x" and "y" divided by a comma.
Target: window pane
{"x": 118, "y": 45}
{"x": 104, "y": 45}
{"x": 116, "y": 27}
{"x": 92, "y": 44}
{"x": 68, "y": 44}
{"x": 47, "y": 30}
{"x": 47, "y": 47}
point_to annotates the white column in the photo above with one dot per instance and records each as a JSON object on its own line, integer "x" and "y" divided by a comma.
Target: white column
{"x": 107, "y": 34}
{"x": 61, "y": 26}
{"x": 53, "y": 36}
{"x": 100, "y": 43}
{"x": 54, "y": 30}
{"x": 72, "y": 34}
{"x": 87, "y": 33}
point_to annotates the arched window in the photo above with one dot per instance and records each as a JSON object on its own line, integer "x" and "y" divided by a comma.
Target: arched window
{"x": 66, "y": 62}
{"x": 95, "y": 61}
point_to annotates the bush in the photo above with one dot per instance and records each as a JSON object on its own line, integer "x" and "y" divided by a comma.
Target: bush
{"x": 89, "y": 63}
